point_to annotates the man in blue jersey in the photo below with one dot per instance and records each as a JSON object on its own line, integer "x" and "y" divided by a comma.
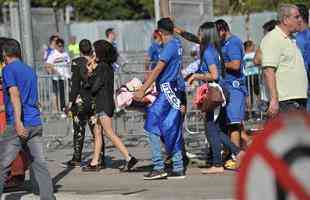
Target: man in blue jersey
{"x": 154, "y": 51}
{"x": 24, "y": 127}
{"x": 234, "y": 80}
{"x": 164, "y": 118}
{"x": 303, "y": 42}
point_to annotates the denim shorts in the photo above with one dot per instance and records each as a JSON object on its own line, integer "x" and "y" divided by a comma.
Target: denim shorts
{"x": 101, "y": 114}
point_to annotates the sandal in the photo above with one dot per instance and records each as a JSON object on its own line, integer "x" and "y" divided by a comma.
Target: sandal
{"x": 92, "y": 168}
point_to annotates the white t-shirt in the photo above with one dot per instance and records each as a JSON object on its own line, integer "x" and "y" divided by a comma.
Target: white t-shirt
{"x": 250, "y": 68}
{"x": 61, "y": 61}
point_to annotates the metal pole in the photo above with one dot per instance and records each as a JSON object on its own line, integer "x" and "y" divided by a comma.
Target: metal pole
{"x": 15, "y": 29}
{"x": 26, "y": 24}
{"x": 164, "y": 8}
{"x": 157, "y": 10}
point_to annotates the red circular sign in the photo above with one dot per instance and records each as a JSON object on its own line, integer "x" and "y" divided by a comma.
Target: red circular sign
{"x": 279, "y": 167}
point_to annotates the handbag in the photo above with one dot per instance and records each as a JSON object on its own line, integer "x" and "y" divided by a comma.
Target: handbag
{"x": 214, "y": 97}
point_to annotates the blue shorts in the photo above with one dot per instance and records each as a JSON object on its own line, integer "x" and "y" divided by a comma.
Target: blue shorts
{"x": 235, "y": 109}
{"x": 101, "y": 114}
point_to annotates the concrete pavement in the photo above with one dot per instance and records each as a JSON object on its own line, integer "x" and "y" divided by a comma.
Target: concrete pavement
{"x": 73, "y": 184}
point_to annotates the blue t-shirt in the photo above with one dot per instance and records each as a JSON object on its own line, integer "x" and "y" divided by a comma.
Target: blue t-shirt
{"x": 153, "y": 52}
{"x": 48, "y": 52}
{"x": 210, "y": 57}
{"x": 303, "y": 42}
{"x": 24, "y": 78}
{"x": 171, "y": 54}
{"x": 232, "y": 49}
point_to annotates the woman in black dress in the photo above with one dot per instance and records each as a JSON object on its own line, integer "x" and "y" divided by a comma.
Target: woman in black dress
{"x": 101, "y": 78}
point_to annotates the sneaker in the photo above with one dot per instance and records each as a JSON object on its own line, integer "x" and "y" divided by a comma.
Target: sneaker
{"x": 129, "y": 165}
{"x": 71, "y": 164}
{"x": 176, "y": 175}
{"x": 155, "y": 175}
{"x": 231, "y": 165}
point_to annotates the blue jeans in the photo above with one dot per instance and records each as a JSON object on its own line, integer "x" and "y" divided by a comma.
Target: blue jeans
{"x": 38, "y": 167}
{"x": 216, "y": 138}
{"x": 158, "y": 162}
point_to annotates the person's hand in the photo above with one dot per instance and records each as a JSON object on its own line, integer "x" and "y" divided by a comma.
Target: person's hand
{"x": 139, "y": 94}
{"x": 2, "y": 108}
{"x": 183, "y": 109}
{"x": 67, "y": 109}
{"x": 177, "y": 30}
{"x": 91, "y": 64}
{"x": 191, "y": 79}
{"x": 21, "y": 131}
{"x": 273, "y": 109}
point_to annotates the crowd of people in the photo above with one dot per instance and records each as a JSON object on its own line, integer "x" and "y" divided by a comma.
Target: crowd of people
{"x": 222, "y": 59}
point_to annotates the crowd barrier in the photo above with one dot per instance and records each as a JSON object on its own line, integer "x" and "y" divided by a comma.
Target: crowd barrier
{"x": 129, "y": 123}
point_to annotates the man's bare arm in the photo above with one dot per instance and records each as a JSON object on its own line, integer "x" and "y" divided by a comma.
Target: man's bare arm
{"x": 154, "y": 74}
{"x": 187, "y": 35}
{"x": 2, "y": 108}
{"x": 233, "y": 65}
{"x": 16, "y": 103}
{"x": 270, "y": 79}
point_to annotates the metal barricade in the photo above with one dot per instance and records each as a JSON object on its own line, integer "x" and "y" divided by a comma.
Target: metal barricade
{"x": 53, "y": 94}
{"x": 129, "y": 123}
{"x": 257, "y": 106}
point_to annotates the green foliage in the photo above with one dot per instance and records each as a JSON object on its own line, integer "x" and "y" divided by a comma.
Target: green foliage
{"x": 87, "y": 10}
{"x": 104, "y": 9}
{"x": 223, "y": 7}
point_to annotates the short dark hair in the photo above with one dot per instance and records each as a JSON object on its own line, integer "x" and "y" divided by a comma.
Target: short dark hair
{"x": 270, "y": 25}
{"x": 105, "y": 52}
{"x": 247, "y": 44}
{"x": 85, "y": 47}
{"x": 108, "y": 31}
{"x": 165, "y": 25}
{"x": 60, "y": 41}
{"x": 52, "y": 38}
{"x": 304, "y": 12}
{"x": 11, "y": 48}
{"x": 222, "y": 25}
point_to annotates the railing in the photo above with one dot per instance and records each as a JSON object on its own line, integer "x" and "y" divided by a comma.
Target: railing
{"x": 128, "y": 123}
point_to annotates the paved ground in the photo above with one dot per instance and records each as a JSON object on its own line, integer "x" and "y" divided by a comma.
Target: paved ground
{"x": 72, "y": 184}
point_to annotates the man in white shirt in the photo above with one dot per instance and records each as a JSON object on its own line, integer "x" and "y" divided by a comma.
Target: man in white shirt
{"x": 58, "y": 65}
{"x": 283, "y": 64}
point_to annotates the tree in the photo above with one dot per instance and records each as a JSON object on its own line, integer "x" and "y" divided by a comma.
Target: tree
{"x": 104, "y": 10}
{"x": 242, "y": 7}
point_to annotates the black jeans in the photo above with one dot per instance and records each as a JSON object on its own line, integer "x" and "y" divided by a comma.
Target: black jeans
{"x": 59, "y": 91}
{"x": 292, "y": 105}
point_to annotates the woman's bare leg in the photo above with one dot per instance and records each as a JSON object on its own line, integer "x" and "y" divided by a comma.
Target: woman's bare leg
{"x": 106, "y": 123}
{"x": 97, "y": 144}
